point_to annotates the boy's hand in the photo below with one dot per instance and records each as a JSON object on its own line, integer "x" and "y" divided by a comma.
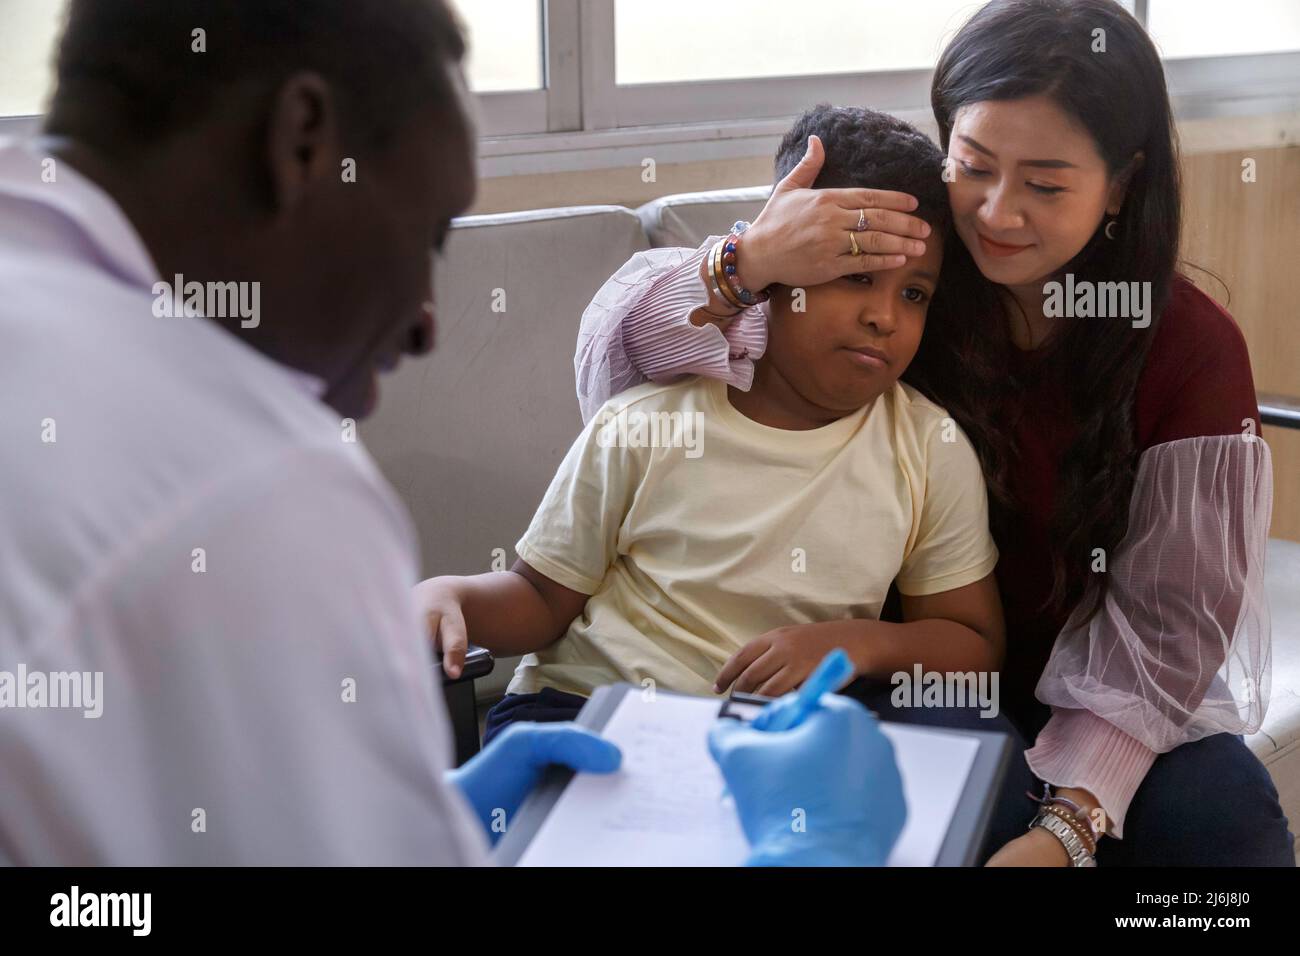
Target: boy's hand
{"x": 440, "y": 604}
{"x": 779, "y": 661}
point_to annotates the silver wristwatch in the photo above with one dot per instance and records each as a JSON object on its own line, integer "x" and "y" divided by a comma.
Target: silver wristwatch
{"x": 1079, "y": 855}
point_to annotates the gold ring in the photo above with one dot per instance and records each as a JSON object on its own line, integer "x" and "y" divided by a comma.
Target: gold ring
{"x": 853, "y": 244}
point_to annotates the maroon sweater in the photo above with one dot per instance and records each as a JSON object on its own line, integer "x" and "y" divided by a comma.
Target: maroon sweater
{"x": 1196, "y": 381}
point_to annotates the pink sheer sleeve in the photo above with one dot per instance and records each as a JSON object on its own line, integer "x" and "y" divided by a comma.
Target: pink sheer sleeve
{"x": 638, "y": 328}
{"x": 1179, "y": 649}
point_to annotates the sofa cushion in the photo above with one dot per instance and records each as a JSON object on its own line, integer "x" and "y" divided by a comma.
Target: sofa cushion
{"x": 471, "y": 435}
{"x": 1278, "y": 742}
{"x": 687, "y": 219}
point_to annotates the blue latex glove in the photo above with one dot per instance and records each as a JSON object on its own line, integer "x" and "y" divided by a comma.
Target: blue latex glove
{"x": 836, "y": 767}
{"x": 496, "y": 780}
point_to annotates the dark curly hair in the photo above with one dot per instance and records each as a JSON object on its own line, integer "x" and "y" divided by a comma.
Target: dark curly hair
{"x": 961, "y": 361}
{"x": 870, "y": 149}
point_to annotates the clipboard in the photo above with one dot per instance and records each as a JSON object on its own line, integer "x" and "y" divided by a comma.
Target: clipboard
{"x": 960, "y": 846}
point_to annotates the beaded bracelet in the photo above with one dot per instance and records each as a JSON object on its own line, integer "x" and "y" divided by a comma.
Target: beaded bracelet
{"x": 730, "y": 248}
{"x": 721, "y": 288}
{"x": 1049, "y": 799}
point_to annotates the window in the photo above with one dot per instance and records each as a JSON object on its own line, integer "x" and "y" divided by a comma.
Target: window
{"x": 28, "y": 30}
{"x": 668, "y": 66}
{"x": 522, "y": 86}
{"x": 505, "y": 44}
{"x": 505, "y": 39}
{"x": 666, "y": 41}
{"x": 1184, "y": 28}
{"x": 567, "y": 84}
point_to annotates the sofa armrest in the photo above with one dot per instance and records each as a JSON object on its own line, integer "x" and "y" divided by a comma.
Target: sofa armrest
{"x": 478, "y": 663}
{"x": 1282, "y": 411}
{"x": 461, "y": 704}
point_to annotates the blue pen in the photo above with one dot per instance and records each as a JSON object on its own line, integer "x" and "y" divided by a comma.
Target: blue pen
{"x": 831, "y": 674}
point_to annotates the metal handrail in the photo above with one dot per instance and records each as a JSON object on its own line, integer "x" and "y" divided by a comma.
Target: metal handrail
{"x": 1282, "y": 411}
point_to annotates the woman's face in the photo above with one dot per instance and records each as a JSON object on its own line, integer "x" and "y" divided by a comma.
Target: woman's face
{"x": 1028, "y": 188}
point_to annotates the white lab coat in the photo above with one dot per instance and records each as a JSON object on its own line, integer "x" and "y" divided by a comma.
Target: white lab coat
{"x": 199, "y": 532}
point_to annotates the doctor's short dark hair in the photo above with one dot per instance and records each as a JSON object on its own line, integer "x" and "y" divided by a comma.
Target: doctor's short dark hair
{"x": 129, "y": 71}
{"x": 867, "y": 148}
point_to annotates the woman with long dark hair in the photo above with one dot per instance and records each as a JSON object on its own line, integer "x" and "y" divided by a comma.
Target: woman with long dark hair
{"x": 1111, "y": 403}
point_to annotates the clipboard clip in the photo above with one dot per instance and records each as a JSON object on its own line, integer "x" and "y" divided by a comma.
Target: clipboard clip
{"x": 741, "y": 706}
{"x": 744, "y": 707}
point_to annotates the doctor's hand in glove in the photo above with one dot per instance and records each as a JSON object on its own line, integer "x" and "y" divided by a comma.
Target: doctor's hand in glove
{"x": 496, "y": 780}
{"x": 814, "y": 780}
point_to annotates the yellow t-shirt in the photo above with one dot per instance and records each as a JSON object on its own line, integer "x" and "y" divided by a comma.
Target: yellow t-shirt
{"x": 695, "y": 529}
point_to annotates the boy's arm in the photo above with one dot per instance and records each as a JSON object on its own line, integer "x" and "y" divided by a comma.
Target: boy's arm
{"x": 509, "y": 612}
{"x": 564, "y": 556}
{"x": 950, "y": 600}
{"x": 956, "y": 630}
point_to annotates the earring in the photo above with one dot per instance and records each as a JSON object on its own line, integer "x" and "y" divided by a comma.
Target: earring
{"x": 1110, "y": 228}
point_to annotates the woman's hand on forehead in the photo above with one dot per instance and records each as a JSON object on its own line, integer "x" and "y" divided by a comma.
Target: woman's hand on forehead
{"x": 807, "y": 236}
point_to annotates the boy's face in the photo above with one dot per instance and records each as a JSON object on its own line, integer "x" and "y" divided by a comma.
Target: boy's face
{"x": 856, "y": 335}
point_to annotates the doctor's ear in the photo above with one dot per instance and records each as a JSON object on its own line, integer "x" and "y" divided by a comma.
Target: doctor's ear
{"x": 302, "y": 138}
{"x": 1119, "y": 184}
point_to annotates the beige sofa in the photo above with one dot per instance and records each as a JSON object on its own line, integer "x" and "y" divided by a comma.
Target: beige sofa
{"x": 471, "y": 435}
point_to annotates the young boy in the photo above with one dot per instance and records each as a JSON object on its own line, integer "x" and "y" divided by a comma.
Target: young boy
{"x": 701, "y": 537}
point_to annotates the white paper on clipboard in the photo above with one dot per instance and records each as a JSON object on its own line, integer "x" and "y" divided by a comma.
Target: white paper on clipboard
{"x": 664, "y": 807}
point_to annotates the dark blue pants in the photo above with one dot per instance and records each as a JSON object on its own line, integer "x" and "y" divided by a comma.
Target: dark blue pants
{"x": 545, "y": 707}
{"x": 1208, "y": 803}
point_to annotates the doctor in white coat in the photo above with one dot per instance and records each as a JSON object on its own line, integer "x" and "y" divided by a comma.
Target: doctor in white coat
{"x": 210, "y": 652}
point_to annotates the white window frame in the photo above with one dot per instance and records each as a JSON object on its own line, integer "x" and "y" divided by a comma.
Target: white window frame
{"x": 557, "y": 106}
{"x": 1247, "y": 84}
{"x": 1201, "y": 86}
{"x": 20, "y": 126}
{"x": 582, "y": 120}
{"x": 606, "y": 105}
{"x": 553, "y": 108}
{"x": 611, "y": 125}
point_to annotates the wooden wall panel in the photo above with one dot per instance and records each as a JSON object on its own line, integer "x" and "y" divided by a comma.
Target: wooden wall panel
{"x": 1248, "y": 234}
